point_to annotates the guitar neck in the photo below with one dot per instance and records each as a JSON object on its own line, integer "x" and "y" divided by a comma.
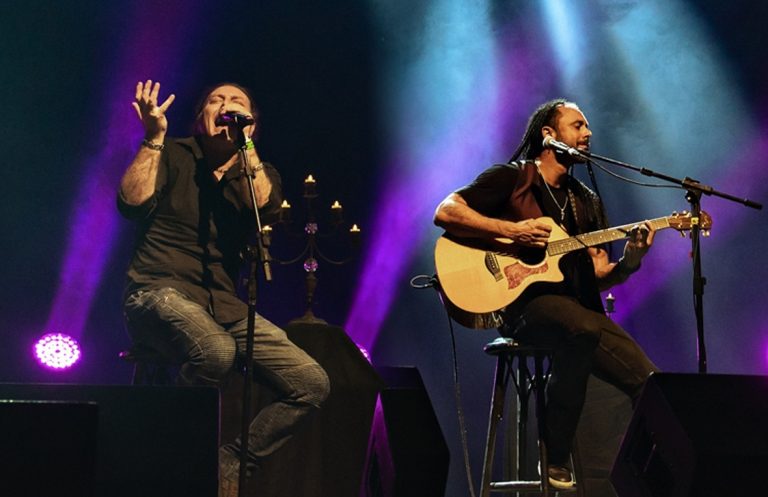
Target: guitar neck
{"x": 593, "y": 238}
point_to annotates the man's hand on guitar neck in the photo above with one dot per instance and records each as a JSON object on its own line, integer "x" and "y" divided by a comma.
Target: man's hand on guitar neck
{"x": 610, "y": 274}
{"x": 640, "y": 240}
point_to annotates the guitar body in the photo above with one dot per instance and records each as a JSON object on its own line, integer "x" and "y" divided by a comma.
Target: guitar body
{"x": 483, "y": 276}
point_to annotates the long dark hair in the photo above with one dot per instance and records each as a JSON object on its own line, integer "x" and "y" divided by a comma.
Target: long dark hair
{"x": 546, "y": 114}
{"x": 531, "y": 146}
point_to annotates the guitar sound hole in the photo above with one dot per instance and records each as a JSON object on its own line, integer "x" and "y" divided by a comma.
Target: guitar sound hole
{"x": 531, "y": 256}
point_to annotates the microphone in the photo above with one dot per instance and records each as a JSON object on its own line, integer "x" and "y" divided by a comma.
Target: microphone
{"x": 553, "y": 144}
{"x": 234, "y": 118}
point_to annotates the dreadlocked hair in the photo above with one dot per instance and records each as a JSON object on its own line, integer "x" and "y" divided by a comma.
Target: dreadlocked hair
{"x": 545, "y": 115}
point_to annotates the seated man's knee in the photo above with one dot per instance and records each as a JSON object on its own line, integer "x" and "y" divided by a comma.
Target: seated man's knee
{"x": 315, "y": 385}
{"x": 590, "y": 329}
{"x": 585, "y": 339}
{"x": 215, "y": 356}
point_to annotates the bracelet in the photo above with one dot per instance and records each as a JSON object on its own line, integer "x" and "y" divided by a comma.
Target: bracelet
{"x": 249, "y": 144}
{"x": 253, "y": 170}
{"x": 152, "y": 145}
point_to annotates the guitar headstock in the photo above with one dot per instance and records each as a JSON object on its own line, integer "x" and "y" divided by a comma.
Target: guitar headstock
{"x": 684, "y": 221}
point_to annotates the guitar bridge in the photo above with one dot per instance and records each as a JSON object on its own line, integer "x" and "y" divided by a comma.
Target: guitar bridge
{"x": 492, "y": 264}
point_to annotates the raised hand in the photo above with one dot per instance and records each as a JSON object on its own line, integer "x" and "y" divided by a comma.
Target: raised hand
{"x": 151, "y": 114}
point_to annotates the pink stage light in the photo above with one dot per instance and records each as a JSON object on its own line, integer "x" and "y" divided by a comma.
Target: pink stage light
{"x": 57, "y": 351}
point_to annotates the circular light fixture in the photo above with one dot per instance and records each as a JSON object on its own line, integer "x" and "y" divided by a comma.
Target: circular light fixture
{"x": 57, "y": 351}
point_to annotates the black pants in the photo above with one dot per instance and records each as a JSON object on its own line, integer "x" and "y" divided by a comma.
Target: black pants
{"x": 584, "y": 342}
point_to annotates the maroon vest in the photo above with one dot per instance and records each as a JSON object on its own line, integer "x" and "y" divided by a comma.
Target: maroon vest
{"x": 522, "y": 203}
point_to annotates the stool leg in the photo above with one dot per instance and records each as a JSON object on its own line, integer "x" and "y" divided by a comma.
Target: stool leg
{"x": 139, "y": 374}
{"x": 577, "y": 470}
{"x": 541, "y": 422}
{"x": 497, "y": 408}
{"x": 523, "y": 374}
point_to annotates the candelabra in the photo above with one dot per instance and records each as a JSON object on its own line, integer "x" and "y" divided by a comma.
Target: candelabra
{"x": 311, "y": 253}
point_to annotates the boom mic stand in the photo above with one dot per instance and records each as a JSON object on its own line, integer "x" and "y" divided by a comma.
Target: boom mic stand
{"x": 694, "y": 189}
{"x": 256, "y": 253}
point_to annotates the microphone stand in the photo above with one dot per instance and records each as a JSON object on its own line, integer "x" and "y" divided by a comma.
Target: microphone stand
{"x": 256, "y": 253}
{"x": 694, "y": 190}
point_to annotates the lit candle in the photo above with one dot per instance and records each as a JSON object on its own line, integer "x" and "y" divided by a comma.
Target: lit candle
{"x": 310, "y": 187}
{"x": 266, "y": 235}
{"x": 285, "y": 212}
{"x": 610, "y": 303}
{"x": 354, "y": 234}
{"x": 336, "y": 212}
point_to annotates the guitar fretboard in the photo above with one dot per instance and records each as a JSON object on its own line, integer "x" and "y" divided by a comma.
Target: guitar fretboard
{"x": 585, "y": 240}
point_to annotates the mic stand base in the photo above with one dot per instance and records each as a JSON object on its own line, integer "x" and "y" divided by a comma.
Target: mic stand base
{"x": 308, "y": 318}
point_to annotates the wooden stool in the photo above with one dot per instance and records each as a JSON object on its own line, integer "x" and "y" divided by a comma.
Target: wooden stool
{"x": 507, "y": 351}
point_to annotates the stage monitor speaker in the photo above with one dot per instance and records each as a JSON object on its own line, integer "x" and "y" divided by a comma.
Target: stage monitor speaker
{"x": 48, "y": 448}
{"x": 408, "y": 456}
{"x": 325, "y": 457}
{"x": 147, "y": 441}
{"x": 695, "y": 435}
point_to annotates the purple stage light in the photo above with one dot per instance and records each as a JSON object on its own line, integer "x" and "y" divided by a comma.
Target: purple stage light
{"x": 95, "y": 224}
{"x": 365, "y": 352}
{"x": 57, "y": 351}
{"x": 764, "y": 369}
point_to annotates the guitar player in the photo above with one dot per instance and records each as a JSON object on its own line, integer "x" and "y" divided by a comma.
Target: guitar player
{"x": 505, "y": 201}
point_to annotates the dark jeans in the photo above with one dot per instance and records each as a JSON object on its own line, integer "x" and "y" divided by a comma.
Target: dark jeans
{"x": 584, "y": 342}
{"x": 186, "y": 333}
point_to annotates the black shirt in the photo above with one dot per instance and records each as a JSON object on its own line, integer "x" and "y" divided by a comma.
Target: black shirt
{"x": 192, "y": 230}
{"x": 495, "y": 188}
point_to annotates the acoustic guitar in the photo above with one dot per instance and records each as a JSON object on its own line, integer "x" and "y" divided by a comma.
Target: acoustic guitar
{"x": 481, "y": 276}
